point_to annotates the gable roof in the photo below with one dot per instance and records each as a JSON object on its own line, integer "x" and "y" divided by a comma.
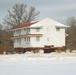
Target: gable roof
{"x": 48, "y": 21}
{"x": 45, "y": 21}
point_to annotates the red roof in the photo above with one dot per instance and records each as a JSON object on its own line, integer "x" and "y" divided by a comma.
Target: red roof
{"x": 24, "y": 25}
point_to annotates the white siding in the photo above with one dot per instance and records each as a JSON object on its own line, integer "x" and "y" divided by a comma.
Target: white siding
{"x": 56, "y": 38}
{"x": 33, "y": 31}
{"x": 50, "y": 36}
{"x": 35, "y": 43}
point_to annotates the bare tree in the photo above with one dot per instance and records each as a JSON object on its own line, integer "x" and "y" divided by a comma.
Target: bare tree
{"x": 71, "y": 39}
{"x": 20, "y": 14}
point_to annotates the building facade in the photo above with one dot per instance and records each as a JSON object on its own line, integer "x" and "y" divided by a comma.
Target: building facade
{"x": 38, "y": 34}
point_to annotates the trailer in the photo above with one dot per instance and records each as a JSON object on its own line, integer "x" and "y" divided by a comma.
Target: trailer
{"x": 45, "y": 49}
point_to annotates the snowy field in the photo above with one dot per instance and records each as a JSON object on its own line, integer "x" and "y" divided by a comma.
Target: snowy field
{"x": 28, "y": 64}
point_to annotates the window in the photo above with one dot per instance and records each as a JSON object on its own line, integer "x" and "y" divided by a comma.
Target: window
{"x": 48, "y": 39}
{"x": 19, "y": 41}
{"x": 24, "y": 29}
{"x": 37, "y": 29}
{"x": 14, "y": 32}
{"x": 37, "y": 38}
{"x": 18, "y": 31}
{"x": 57, "y": 29}
{"x": 27, "y": 39}
{"x": 27, "y": 31}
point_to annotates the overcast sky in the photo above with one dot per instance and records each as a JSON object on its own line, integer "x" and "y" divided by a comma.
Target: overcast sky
{"x": 58, "y": 10}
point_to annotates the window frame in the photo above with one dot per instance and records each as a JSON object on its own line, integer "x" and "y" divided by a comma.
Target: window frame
{"x": 37, "y": 29}
{"x": 57, "y": 29}
{"x": 37, "y": 38}
{"x": 19, "y": 40}
{"x": 18, "y": 31}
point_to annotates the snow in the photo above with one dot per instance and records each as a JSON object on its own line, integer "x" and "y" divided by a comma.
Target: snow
{"x": 48, "y": 21}
{"x": 36, "y": 25}
{"x": 28, "y": 64}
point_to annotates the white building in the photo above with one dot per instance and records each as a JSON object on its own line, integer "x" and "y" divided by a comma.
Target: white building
{"x": 38, "y": 34}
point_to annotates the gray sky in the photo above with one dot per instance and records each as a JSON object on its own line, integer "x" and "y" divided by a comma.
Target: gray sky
{"x": 58, "y": 10}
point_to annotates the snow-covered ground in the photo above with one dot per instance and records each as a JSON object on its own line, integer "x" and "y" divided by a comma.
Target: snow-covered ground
{"x": 28, "y": 64}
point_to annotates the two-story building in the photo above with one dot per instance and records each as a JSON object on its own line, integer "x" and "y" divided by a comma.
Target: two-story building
{"x": 38, "y": 34}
